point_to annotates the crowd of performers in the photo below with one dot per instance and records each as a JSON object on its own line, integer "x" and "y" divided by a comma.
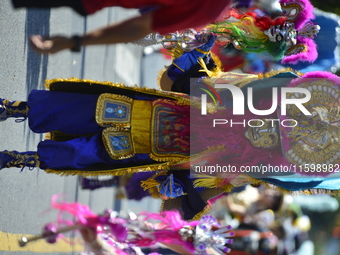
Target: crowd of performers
{"x": 265, "y": 221}
{"x": 159, "y": 137}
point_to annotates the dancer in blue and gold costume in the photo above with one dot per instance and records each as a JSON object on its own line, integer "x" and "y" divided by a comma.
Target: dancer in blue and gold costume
{"x": 101, "y": 128}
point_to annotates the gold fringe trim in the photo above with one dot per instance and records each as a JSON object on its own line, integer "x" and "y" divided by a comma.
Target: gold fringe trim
{"x": 216, "y": 72}
{"x": 173, "y": 159}
{"x": 161, "y": 208}
{"x": 159, "y": 77}
{"x": 173, "y": 95}
{"x": 205, "y": 68}
{"x": 218, "y": 62}
{"x": 209, "y": 181}
{"x": 112, "y": 172}
{"x": 275, "y": 72}
{"x": 211, "y": 149}
{"x": 151, "y": 185}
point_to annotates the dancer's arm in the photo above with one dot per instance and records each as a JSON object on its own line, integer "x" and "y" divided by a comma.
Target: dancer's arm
{"x": 124, "y": 32}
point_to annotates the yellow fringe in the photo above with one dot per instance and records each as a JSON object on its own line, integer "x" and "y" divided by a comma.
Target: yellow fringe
{"x": 216, "y": 72}
{"x": 112, "y": 172}
{"x": 159, "y": 76}
{"x": 210, "y": 182}
{"x": 205, "y": 69}
{"x": 206, "y": 181}
{"x": 218, "y": 62}
{"x": 151, "y": 185}
{"x": 210, "y": 149}
{"x": 275, "y": 72}
{"x": 173, "y": 159}
{"x": 173, "y": 95}
{"x": 176, "y": 51}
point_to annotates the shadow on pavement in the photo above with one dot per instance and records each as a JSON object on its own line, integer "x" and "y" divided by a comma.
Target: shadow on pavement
{"x": 37, "y": 22}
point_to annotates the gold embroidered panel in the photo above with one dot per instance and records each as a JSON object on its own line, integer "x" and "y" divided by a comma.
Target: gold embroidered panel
{"x": 113, "y": 110}
{"x": 168, "y": 141}
{"x": 118, "y": 144}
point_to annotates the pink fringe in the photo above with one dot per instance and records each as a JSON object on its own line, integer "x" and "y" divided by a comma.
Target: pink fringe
{"x": 87, "y": 218}
{"x": 167, "y": 230}
{"x": 82, "y": 212}
{"x": 316, "y": 75}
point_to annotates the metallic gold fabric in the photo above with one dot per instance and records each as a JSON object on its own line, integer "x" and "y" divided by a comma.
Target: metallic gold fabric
{"x": 141, "y": 126}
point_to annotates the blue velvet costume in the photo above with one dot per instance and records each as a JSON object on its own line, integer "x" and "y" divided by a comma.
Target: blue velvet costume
{"x": 72, "y": 114}
{"x": 70, "y": 109}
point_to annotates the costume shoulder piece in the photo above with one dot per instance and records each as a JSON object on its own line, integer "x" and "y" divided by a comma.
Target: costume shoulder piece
{"x": 86, "y": 86}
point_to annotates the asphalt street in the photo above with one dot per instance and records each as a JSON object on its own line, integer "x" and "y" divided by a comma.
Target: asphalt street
{"x": 25, "y": 195}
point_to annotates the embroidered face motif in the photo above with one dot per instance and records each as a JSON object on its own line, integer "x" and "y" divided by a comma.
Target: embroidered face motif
{"x": 265, "y": 136}
{"x": 285, "y": 32}
{"x": 315, "y": 139}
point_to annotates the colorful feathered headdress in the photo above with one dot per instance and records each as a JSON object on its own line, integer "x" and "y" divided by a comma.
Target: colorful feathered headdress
{"x": 299, "y": 13}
